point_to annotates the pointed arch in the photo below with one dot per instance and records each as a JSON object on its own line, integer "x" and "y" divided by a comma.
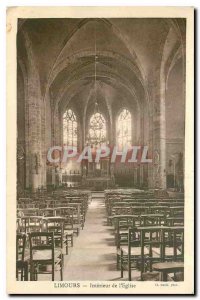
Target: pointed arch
{"x": 97, "y": 133}
{"x": 124, "y": 128}
{"x": 70, "y": 127}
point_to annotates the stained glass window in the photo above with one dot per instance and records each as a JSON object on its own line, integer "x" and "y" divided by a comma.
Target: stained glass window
{"x": 97, "y": 129}
{"x": 70, "y": 128}
{"x": 124, "y": 129}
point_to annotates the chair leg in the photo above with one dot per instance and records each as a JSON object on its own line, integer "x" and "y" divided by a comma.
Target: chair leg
{"x": 129, "y": 268}
{"x": 72, "y": 240}
{"x": 22, "y": 273}
{"x": 16, "y": 272}
{"x": 31, "y": 272}
{"x": 118, "y": 261}
{"x": 121, "y": 259}
{"x": 66, "y": 243}
{"x": 61, "y": 268}
{"x": 36, "y": 274}
{"x": 53, "y": 271}
{"x": 26, "y": 271}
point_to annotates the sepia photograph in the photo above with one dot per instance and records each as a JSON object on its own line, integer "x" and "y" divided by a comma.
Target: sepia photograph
{"x": 103, "y": 198}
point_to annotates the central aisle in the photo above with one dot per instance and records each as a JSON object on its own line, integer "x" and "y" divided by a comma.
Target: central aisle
{"x": 93, "y": 256}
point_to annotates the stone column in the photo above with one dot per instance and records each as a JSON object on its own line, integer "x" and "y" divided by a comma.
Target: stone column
{"x": 162, "y": 135}
{"x": 52, "y": 135}
{"x": 34, "y": 148}
{"x": 33, "y": 118}
{"x": 141, "y": 175}
{"x": 157, "y": 87}
{"x": 150, "y": 145}
{"x": 34, "y": 137}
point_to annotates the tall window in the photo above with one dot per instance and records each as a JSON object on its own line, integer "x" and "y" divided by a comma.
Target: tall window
{"x": 97, "y": 129}
{"x": 124, "y": 129}
{"x": 69, "y": 128}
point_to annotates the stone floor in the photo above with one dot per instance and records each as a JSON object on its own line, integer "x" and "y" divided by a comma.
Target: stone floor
{"x": 93, "y": 256}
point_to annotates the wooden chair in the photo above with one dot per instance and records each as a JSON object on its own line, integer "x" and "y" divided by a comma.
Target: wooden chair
{"x": 78, "y": 220}
{"x": 20, "y": 225}
{"x": 21, "y": 263}
{"x": 24, "y": 200}
{"x": 170, "y": 248}
{"x": 174, "y": 221}
{"x": 152, "y": 219}
{"x": 27, "y": 212}
{"x": 48, "y": 212}
{"x": 43, "y": 254}
{"x": 130, "y": 255}
{"x": 151, "y": 238}
{"x": 121, "y": 210}
{"x": 67, "y": 213}
{"x": 122, "y": 224}
{"x": 56, "y": 225}
{"x": 177, "y": 211}
{"x": 159, "y": 209}
{"x": 30, "y": 205}
{"x": 33, "y": 223}
{"x": 50, "y": 203}
{"x": 138, "y": 210}
{"x": 173, "y": 243}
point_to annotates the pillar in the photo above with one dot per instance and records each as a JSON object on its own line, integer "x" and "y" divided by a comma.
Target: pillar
{"x": 157, "y": 86}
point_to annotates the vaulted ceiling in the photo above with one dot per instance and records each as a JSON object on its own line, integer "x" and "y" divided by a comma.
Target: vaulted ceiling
{"x": 127, "y": 52}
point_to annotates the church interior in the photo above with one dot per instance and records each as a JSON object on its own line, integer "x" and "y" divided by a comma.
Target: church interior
{"x": 90, "y": 83}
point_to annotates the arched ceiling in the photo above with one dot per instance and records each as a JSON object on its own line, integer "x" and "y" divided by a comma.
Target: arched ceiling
{"x": 127, "y": 51}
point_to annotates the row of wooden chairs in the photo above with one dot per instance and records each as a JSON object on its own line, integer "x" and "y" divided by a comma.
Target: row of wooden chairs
{"x": 69, "y": 213}
{"x": 49, "y": 207}
{"x": 147, "y": 230}
{"x": 151, "y": 244}
{"x": 44, "y": 243}
{"x": 42, "y": 253}
{"x": 45, "y": 232}
{"x": 51, "y": 203}
{"x": 113, "y": 203}
{"x": 166, "y": 212}
{"x": 123, "y": 222}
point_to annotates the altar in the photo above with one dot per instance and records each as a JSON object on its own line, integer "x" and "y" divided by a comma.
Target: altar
{"x": 98, "y": 176}
{"x": 98, "y": 183}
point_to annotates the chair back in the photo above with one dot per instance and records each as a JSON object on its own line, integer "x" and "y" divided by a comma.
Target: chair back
{"x": 57, "y": 227}
{"x": 41, "y": 241}
{"x": 173, "y": 238}
{"x": 20, "y": 246}
{"x": 33, "y": 224}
